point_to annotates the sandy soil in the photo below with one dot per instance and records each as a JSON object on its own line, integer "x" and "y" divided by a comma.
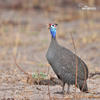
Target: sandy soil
{"x": 25, "y": 35}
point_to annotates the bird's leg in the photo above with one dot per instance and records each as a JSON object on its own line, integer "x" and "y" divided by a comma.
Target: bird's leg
{"x": 63, "y": 85}
{"x": 68, "y": 89}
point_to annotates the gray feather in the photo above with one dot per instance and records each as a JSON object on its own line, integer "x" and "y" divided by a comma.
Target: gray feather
{"x": 64, "y": 62}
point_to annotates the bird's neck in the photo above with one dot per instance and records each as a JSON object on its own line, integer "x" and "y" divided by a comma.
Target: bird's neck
{"x": 53, "y": 32}
{"x": 54, "y": 41}
{"x": 53, "y": 38}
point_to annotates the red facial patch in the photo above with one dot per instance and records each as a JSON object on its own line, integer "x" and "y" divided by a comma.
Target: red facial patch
{"x": 54, "y": 25}
{"x": 50, "y": 25}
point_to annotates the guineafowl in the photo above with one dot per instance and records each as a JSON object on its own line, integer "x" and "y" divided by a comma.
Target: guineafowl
{"x": 63, "y": 63}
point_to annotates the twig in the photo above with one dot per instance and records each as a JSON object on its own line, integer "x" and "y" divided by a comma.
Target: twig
{"x": 20, "y": 67}
{"x": 73, "y": 43}
{"x": 76, "y": 72}
{"x": 29, "y": 76}
{"x": 49, "y": 92}
{"x": 93, "y": 74}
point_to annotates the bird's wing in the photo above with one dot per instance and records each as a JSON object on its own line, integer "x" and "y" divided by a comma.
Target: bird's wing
{"x": 69, "y": 61}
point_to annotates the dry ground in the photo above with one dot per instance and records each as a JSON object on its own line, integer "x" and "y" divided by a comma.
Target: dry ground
{"x": 24, "y": 34}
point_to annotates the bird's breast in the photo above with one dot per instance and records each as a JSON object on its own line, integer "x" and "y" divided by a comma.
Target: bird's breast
{"x": 51, "y": 53}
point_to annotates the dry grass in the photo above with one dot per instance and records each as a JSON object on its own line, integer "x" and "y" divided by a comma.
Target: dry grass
{"x": 15, "y": 35}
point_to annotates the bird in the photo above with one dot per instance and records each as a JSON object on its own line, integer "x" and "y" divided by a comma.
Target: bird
{"x": 63, "y": 62}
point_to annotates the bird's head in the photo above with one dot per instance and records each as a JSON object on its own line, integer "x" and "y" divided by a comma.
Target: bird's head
{"x": 52, "y": 28}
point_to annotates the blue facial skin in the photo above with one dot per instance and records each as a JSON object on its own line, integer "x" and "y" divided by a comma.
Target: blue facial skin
{"x": 53, "y": 31}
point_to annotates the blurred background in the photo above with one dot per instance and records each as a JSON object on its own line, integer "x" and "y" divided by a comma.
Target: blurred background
{"x": 24, "y": 34}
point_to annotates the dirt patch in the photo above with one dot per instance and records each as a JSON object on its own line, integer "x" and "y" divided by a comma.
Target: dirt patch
{"x": 25, "y": 35}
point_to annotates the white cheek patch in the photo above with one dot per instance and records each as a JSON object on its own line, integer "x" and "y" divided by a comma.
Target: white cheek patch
{"x": 53, "y": 26}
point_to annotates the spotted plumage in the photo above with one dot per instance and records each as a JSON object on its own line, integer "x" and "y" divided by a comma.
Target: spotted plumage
{"x": 63, "y": 63}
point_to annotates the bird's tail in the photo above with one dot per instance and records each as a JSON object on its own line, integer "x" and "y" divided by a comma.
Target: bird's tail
{"x": 83, "y": 86}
